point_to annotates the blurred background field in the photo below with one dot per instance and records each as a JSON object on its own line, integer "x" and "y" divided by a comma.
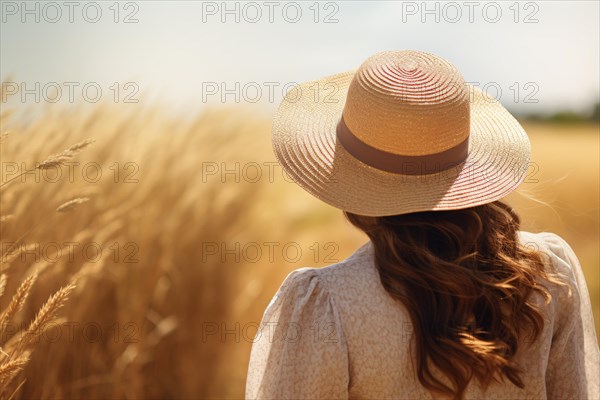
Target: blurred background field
{"x": 171, "y": 243}
{"x": 176, "y": 225}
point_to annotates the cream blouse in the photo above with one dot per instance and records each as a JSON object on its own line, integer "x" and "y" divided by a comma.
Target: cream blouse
{"x": 335, "y": 333}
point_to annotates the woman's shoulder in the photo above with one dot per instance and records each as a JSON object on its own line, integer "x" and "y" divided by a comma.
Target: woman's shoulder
{"x": 310, "y": 298}
{"x": 343, "y": 279}
{"x": 549, "y": 239}
{"x": 358, "y": 267}
{"x": 344, "y": 285}
{"x": 559, "y": 260}
{"x": 562, "y": 257}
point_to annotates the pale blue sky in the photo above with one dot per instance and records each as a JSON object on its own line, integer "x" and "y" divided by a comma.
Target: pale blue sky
{"x": 171, "y": 51}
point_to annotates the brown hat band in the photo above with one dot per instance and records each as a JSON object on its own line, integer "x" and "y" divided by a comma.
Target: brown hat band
{"x": 401, "y": 164}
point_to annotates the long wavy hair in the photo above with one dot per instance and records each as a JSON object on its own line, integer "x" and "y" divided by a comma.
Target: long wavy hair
{"x": 467, "y": 284}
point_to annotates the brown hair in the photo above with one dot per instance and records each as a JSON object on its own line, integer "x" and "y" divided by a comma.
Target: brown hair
{"x": 466, "y": 282}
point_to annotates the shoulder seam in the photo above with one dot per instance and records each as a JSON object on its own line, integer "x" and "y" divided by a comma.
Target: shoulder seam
{"x": 310, "y": 272}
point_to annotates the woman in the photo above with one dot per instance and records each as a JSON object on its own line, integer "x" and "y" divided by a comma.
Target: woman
{"x": 448, "y": 299}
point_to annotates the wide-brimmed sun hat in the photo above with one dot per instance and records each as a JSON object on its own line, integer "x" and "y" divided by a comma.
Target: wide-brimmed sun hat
{"x": 403, "y": 133}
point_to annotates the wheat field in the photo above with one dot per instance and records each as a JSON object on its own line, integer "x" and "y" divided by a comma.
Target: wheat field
{"x": 139, "y": 249}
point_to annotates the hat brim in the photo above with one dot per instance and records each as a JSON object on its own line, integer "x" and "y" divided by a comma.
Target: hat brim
{"x": 306, "y": 146}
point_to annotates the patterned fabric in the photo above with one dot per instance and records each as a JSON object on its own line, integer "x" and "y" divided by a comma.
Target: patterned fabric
{"x": 335, "y": 333}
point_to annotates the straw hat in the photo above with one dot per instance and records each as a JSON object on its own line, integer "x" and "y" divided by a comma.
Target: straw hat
{"x": 403, "y": 133}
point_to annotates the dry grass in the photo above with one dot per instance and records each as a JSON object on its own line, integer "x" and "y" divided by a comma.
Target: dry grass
{"x": 15, "y": 343}
{"x": 155, "y": 314}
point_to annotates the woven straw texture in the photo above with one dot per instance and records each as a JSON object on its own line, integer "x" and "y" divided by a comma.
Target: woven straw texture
{"x": 406, "y": 103}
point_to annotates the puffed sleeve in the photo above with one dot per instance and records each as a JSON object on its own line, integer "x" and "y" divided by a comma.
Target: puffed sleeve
{"x": 299, "y": 351}
{"x": 574, "y": 363}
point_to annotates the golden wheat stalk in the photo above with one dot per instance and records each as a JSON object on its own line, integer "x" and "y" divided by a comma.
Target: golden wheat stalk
{"x": 17, "y": 301}
{"x": 2, "y": 284}
{"x": 71, "y": 204}
{"x": 11, "y": 368}
{"x": 58, "y": 159}
{"x": 80, "y": 146}
{"x": 46, "y": 315}
{"x": 55, "y": 160}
